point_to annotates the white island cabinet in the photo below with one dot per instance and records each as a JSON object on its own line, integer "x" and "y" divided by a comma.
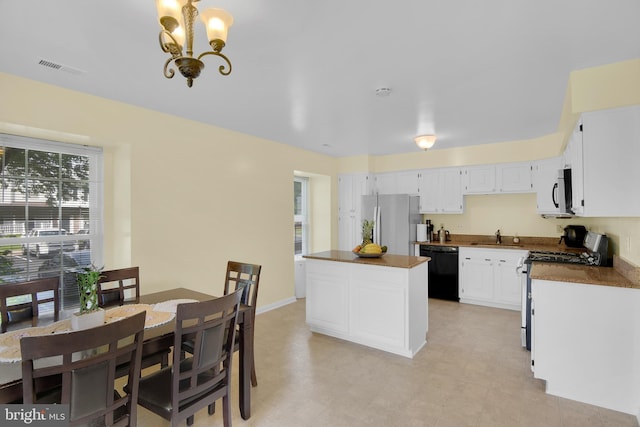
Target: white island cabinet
{"x": 377, "y": 302}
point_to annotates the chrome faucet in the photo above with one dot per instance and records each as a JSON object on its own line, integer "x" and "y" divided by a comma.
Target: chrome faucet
{"x": 498, "y": 238}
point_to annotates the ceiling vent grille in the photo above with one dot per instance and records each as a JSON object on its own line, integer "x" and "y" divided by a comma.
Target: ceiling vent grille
{"x": 61, "y": 67}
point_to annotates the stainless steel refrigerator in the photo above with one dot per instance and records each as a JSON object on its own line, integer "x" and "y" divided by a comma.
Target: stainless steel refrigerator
{"x": 396, "y": 217}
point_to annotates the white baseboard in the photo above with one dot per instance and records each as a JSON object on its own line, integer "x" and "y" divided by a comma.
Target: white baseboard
{"x": 275, "y": 305}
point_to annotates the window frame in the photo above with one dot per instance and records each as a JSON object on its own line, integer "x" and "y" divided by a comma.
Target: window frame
{"x": 95, "y": 204}
{"x": 303, "y": 217}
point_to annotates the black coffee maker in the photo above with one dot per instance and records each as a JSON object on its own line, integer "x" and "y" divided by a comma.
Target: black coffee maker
{"x": 429, "y": 230}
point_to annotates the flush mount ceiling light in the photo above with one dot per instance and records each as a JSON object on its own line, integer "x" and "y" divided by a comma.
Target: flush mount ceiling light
{"x": 425, "y": 141}
{"x": 383, "y": 91}
{"x": 177, "y": 18}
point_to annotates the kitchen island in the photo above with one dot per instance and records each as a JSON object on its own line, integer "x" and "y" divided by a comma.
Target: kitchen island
{"x": 378, "y": 302}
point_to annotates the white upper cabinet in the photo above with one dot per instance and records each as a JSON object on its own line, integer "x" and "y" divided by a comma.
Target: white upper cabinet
{"x": 514, "y": 177}
{"x": 499, "y": 178}
{"x": 386, "y": 183}
{"x": 441, "y": 190}
{"x": 480, "y": 179}
{"x": 402, "y": 182}
{"x": 610, "y": 156}
{"x": 407, "y": 182}
{"x": 545, "y": 177}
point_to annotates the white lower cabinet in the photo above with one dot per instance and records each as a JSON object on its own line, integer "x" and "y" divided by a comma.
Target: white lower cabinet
{"x": 586, "y": 342}
{"x": 489, "y": 277}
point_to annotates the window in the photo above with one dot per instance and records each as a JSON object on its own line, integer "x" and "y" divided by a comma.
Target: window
{"x": 300, "y": 215}
{"x": 50, "y": 211}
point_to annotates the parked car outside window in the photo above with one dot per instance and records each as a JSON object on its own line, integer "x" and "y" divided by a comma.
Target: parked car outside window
{"x": 48, "y": 248}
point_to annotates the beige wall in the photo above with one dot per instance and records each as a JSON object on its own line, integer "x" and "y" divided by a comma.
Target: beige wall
{"x": 181, "y": 197}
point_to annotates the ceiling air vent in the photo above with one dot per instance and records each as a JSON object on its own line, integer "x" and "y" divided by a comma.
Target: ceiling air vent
{"x": 61, "y": 67}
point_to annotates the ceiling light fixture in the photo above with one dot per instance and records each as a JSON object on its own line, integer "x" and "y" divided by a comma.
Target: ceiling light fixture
{"x": 425, "y": 141}
{"x": 177, "y": 18}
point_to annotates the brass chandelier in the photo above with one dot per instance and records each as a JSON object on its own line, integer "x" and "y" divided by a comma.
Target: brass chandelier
{"x": 177, "y": 18}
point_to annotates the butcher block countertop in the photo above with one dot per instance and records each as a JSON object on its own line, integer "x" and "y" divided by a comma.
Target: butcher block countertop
{"x": 387, "y": 260}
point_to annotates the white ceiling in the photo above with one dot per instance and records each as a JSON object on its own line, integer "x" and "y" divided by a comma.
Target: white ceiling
{"x": 305, "y": 72}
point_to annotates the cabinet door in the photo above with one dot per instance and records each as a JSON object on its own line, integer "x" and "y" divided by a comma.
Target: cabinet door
{"x": 345, "y": 194}
{"x": 546, "y": 183}
{"x": 514, "y": 177}
{"x": 429, "y": 190}
{"x": 407, "y": 182}
{"x": 327, "y": 302}
{"x": 348, "y": 232}
{"x": 480, "y": 179}
{"x": 386, "y": 183}
{"x": 611, "y": 152}
{"x": 507, "y": 287}
{"x": 451, "y": 190}
{"x": 577, "y": 175}
{"x": 476, "y": 279}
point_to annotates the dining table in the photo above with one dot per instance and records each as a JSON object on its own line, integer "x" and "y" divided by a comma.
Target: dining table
{"x": 157, "y": 338}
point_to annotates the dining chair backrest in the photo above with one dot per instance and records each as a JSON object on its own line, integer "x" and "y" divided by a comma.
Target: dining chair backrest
{"x": 243, "y": 276}
{"x": 116, "y": 286}
{"x": 86, "y": 360}
{"x": 36, "y": 288}
{"x": 179, "y": 391}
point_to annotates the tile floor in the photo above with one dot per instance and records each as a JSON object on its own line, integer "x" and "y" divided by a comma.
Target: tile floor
{"x": 472, "y": 372}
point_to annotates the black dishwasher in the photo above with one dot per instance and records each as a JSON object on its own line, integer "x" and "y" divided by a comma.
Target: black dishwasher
{"x": 443, "y": 271}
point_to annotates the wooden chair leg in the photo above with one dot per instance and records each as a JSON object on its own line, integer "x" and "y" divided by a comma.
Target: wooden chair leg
{"x": 254, "y": 379}
{"x": 226, "y": 411}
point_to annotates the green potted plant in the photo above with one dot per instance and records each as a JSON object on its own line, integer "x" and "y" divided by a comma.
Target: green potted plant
{"x": 90, "y": 314}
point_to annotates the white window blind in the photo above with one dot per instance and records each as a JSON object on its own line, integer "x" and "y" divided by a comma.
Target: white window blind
{"x": 50, "y": 211}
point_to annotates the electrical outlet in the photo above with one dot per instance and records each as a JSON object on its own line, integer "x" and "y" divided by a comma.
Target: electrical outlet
{"x": 559, "y": 228}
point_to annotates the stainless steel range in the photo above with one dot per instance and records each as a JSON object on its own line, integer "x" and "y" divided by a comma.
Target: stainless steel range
{"x": 596, "y": 246}
{"x": 596, "y": 249}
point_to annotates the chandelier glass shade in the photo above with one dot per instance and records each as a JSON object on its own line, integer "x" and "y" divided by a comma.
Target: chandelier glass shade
{"x": 425, "y": 141}
{"x": 177, "y": 19}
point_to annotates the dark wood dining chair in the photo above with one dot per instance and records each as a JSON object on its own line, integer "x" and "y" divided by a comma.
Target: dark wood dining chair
{"x": 116, "y": 287}
{"x": 86, "y": 360}
{"x": 177, "y": 392}
{"x": 244, "y": 277}
{"x": 21, "y": 312}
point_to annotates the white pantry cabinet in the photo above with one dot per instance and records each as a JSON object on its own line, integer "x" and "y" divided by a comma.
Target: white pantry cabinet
{"x": 489, "y": 277}
{"x": 441, "y": 190}
{"x": 351, "y": 188}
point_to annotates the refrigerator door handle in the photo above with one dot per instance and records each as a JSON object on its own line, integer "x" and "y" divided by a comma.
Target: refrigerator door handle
{"x": 376, "y": 224}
